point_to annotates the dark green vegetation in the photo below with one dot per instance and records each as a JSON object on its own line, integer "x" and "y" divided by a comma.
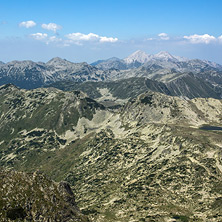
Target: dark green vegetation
{"x": 184, "y": 85}
{"x": 122, "y": 89}
{"x": 34, "y": 197}
{"x": 146, "y": 160}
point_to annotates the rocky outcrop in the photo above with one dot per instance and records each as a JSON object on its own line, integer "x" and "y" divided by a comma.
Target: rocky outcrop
{"x": 34, "y": 197}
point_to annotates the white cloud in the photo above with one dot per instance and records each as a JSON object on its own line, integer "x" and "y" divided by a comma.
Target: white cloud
{"x": 108, "y": 39}
{"x": 82, "y": 37}
{"x": 78, "y": 37}
{"x": 49, "y": 39}
{"x": 27, "y": 24}
{"x": 53, "y": 39}
{"x": 195, "y": 39}
{"x": 51, "y": 26}
{"x": 164, "y": 36}
{"x": 220, "y": 38}
{"x": 39, "y": 36}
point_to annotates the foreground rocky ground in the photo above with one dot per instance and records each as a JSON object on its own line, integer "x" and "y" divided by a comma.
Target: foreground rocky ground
{"x": 34, "y": 197}
{"x": 148, "y": 160}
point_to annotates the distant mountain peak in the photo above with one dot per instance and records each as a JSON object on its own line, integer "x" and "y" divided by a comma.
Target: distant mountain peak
{"x": 164, "y": 55}
{"x": 113, "y": 59}
{"x": 56, "y": 58}
{"x": 138, "y": 53}
{"x": 57, "y": 61}
{"x": 138, "y": 56}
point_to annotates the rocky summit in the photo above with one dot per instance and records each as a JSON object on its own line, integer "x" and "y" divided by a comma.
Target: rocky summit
{"x": 34, "y": 197}
{"x": 154, "y": 157}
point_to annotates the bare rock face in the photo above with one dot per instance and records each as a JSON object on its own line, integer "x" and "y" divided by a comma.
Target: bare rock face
{"x": 34, "y": 197}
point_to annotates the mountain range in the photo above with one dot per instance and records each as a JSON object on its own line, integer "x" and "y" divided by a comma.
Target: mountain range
{"x": 28, "y": 74}
{"x": 140, "y": 58}
{"x": 162, "y": 67}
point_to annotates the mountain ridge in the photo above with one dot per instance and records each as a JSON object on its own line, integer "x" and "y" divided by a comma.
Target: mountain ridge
{"x": 160, "y": 67}
{"x": 147, "y": 159}
{"x": 28, "y": 74}
{"x": 141, "y": 57}
{"x": 185, "y": 85}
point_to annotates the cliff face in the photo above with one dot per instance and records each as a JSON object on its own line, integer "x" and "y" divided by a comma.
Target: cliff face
{"x": 34, "y": 197}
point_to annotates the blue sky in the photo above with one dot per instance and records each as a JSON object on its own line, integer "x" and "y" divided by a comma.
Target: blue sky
{"x": 89, "y": 30}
